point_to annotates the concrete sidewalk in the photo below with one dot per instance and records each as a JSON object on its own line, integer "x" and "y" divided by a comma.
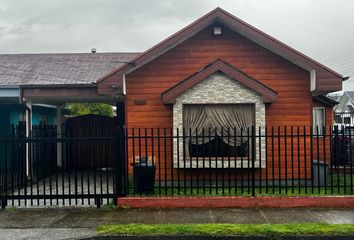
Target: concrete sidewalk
{"x": 75, "y": 223}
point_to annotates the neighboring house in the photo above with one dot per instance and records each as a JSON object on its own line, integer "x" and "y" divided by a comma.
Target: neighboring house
{"x": 344, "y": 111}
{"x": 13, "y": 113}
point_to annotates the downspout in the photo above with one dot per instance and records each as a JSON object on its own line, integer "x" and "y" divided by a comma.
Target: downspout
{"x": 28, "y": 107}
{"x": 59, "y": 135}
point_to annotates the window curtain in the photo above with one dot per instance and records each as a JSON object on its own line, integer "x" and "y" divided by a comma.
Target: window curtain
{"x": 230, "y": 118}
{"x": 224, "y": 119}
{"x": 318, "y": 119}
{"x": 195, "y": 120}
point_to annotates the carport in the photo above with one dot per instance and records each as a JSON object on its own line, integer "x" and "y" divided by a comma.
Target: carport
{"x": 53, "y": 80}
{"x": 57, "y": 79}
{"x": 58, "y": 95}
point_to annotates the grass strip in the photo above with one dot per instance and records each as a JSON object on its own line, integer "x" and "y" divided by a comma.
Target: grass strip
{"x": 292, "y": 229}
{"x": 337, "y": 187}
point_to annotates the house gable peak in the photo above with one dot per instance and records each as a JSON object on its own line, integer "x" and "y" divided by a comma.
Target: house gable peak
{"x": 169, "y": 96}
{"x": 237, "y": 25}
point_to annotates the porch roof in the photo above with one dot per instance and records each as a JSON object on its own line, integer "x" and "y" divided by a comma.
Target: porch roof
{"x": 61, "y": 94}
{"x": 269, "y": 95}
{"x": 326, "y": 100}
{"x": 59, "y": 77}
{"x": 58, "y": 68}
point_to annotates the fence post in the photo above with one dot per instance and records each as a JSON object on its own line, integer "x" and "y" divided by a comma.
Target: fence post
{"x": 335, "y": 142}
{"x": 3, "y": 202}
{"x": 2, "y": 184}
{"x": 253, "y": 137}
{"x": 120, "y": 162}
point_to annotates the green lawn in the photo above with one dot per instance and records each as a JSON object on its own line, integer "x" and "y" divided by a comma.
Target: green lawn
{"x": 335, "y": 186}
{"x": 230, "y": 229}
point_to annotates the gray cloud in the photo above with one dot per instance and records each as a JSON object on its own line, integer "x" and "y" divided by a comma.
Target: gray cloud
{"x": 321, "y": 29}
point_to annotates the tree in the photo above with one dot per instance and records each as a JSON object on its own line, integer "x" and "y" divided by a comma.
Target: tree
{"x": 89, "y": 108}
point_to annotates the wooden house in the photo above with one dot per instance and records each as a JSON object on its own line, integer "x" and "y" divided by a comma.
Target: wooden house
{"x": 221, "y": 69}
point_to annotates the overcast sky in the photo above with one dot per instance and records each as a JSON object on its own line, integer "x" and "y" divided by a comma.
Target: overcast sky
{"x": 321, "y": 29}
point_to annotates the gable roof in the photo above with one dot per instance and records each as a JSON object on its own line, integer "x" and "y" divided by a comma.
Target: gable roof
{"x": 347, "y": 97}
{"x": 350, "y": 95}
{"x": 326, "y": 100}
{"x": 169, "y": 96}
{"x": 235, "y": 24}
{"x": 350, "y": 108}
{"x": 58, "y": 69}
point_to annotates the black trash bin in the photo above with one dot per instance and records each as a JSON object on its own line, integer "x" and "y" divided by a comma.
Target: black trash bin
{"x": 144, "y": 177}
{"x": 320, "y": 173}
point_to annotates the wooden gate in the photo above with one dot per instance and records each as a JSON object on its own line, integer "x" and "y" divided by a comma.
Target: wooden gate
{"x": 86, "y": 154}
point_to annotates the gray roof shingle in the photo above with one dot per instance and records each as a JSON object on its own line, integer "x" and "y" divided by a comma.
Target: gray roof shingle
{"x": 351, "y": 96}
{"x": 58, "y": 68}
{"x": 350, "y": 108}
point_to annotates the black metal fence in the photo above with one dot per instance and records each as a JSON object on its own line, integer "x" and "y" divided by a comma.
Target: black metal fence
{"x": 42, "y": 155}
{"x": 148, "y": 162}
{"x": 253, "y": 161}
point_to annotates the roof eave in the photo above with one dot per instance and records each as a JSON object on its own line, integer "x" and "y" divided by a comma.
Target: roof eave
{"x": 326, "y": 100}
{"x": 297, "y": 57}
{"x": 84, "y": 85}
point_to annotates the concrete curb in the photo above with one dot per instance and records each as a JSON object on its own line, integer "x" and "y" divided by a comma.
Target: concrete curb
{"x": 220, "y": 238}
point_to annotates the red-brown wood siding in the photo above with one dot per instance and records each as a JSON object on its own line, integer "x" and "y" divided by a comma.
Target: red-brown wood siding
{"x": 292, "y": 83}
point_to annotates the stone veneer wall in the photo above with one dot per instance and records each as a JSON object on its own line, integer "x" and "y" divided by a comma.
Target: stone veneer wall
{"x": 218, "y": 88}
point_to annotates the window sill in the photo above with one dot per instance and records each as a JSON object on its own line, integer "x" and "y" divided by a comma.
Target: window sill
{"x": 319, "y": 136}
{"x": 217, "y": 163}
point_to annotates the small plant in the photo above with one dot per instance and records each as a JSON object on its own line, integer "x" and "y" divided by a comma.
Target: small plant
{"x": 110, "y": 205}
{"x": 11, "y": 209}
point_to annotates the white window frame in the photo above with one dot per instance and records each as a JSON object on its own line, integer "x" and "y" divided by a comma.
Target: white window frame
{"x": 314, "y": 125}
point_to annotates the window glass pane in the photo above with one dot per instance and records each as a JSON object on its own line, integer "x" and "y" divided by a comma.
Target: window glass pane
{"x": 318, "y": 120}
{"x": 347, "y": 120}
{"x": 338, "y": 119}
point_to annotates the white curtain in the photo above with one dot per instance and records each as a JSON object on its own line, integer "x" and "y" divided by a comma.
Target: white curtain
{"x": 318, "y": 120}
{"x": 195, "y": 122}
{"x": 225, "y": 119}
{"x": 230, "y": 119}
